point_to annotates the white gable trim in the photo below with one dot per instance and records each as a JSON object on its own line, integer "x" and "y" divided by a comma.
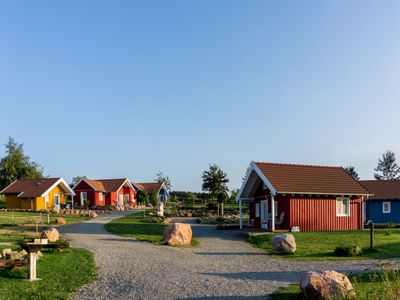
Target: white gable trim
{"x": 255, "y": 168}
{"x": 129, "y": 182}
{"x": 8, "y": 186}
{"x": 84, "y": 179}
{"x": 64, "y": 183}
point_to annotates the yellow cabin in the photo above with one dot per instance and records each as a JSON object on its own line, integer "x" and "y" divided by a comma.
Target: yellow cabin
{"x": 37, "y": 194}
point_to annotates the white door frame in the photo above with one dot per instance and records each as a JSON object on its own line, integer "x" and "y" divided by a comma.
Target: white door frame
{"x": 58, "y": 202}
{"x": 264, "y": 214}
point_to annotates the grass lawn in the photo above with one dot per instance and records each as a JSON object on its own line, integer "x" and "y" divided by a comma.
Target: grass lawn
{"x": 313, "y": 246}
{"x": 376, "y": 285}
{"x": 61, "y": 274}
{"x": 19, "y": 218}
{"x": 134, "y": 226}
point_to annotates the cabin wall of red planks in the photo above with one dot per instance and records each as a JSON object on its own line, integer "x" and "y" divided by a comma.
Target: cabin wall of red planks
{"x": 319, "y": 213}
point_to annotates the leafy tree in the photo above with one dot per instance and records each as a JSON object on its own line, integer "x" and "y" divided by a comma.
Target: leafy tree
{"x": 76, "y": 179}
{"x": 161, "y": 178}
{"x": 215, "y": 180}
{"x": 16, "y": 165}
{"x": 234, "y": 193}
{"x": 387, "y": 167}
{"x": 352, "y": 171}
{"x": 153, "y": 197}
{"x": 142, "y": 196}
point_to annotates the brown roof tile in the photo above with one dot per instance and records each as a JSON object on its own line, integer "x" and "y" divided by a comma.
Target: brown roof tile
{"x": 383, "y": 189}
{"x": 30, "y": 188}
{"x": 307, "y": 179}
{"x": 111, "y": 185}
{"x": 149, "y": 187}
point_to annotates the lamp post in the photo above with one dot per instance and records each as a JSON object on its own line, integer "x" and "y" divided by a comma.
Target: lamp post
{"x": 371, "y": 234}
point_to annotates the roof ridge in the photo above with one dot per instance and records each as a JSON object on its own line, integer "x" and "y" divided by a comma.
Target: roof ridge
{"x": 298, "y": 165}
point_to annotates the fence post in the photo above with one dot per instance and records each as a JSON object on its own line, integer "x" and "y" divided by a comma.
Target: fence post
{"x": 48, "y": 218}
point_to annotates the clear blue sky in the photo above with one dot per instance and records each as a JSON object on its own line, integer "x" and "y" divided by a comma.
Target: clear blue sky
{"x": 128, "y": 88}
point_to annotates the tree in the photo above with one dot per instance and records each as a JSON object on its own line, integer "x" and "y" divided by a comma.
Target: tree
{"x": 221, "y": 197}
{"x": 215, "y": 180}
{"x": 76, "y": 180}
{"x": 165, "y": 179}
{"x": 387, "y": 167}
{"x": 16, "y": 165}
{"x": 352, "y": 171}
{"x": 142, "y": 196}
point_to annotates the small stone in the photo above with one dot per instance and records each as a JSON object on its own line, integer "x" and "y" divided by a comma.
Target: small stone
{"x": 61, "y": 221}
{"x": 93, "y": 214}
{"x": 51, "y": 234}
{"x": 6, "y": 252}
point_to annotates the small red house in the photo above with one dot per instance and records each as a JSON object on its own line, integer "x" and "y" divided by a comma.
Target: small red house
{"x": 310, "y": 198}
{"x": 100, "y": 192}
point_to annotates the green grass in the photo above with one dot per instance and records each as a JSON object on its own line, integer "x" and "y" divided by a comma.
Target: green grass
{"x": 313, "y": 246}
{"x": 134, "y": 226}
{"x": 11, "y": 218}
{"x": 375, "y": 285}
{"x": 61, "y": 274}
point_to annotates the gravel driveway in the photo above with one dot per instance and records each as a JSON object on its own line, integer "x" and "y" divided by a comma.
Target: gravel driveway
{"x": 223, "y": 266}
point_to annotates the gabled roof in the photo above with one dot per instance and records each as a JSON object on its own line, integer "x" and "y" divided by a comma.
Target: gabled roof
{"x": 33, "y": 188}
{"x": 105, "y": 185}
{"x": 305, "y": 179}
{"x": 150, "y": 187}
{"x": 383, "y": 189}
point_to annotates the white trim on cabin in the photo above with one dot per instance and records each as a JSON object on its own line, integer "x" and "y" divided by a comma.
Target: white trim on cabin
{"x": 69, "y": 191}
{"x": 84, "y": 179}
{"x": 389, "y": 207}
{"x": 8, "y": 186}
{"x": 255, "y": 168}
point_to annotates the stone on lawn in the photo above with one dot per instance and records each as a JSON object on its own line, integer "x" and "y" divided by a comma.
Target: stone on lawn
{"x": 326, "y": 285}
{"x": 61, "y": 221}
{"x": 177, "y": 234}
{"x": 284, "y": 244}
{"x": 6, "y": 252}
{"x": 51, "y": 234}
{"x": 93, "y": 214}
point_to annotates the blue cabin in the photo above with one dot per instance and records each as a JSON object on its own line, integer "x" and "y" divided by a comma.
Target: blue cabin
{"x": 384, "y": 206}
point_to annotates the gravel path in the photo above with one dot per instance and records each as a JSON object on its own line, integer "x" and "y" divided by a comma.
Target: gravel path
{"x": 223, "y": 266}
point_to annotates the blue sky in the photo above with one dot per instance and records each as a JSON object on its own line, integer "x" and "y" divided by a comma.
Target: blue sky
{"x": 128, "y": 88}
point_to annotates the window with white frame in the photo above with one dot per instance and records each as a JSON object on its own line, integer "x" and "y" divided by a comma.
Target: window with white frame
{"x": 101, "y": 197}
{"x": 257, "y": 210}
{"x": 83, "y": 196}
{"x": 386, "y": 207}
{"x": 342, "y": 206}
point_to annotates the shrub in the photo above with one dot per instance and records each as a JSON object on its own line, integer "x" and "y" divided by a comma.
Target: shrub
{"x": 347, "y": 250}
{"x": 212, "y": 206}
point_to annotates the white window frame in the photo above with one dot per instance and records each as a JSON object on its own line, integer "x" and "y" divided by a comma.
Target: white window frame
{"x": 58, "y": 197}
{"x": 340, "y": 203}
{"x": 257, "y": 210}
{"x": 83, "y": 199}
{"x": 101, "y": 196}
{"x": 389, "y": 205}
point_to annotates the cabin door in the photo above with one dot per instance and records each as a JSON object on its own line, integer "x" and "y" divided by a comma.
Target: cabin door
{"x": 120, "y": 201}
{"x": 57, "y": 201}
{"x": 264, "y": 214}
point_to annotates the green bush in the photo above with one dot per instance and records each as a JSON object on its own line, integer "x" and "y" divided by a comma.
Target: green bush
{"x": 212, "y": 206}
{"x": 347, "y": 250}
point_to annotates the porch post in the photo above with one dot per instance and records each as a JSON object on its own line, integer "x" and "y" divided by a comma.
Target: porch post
{"x": 272, "y": 212}
{"x": 241, "y": 214}
{"x": 72, "y": 203}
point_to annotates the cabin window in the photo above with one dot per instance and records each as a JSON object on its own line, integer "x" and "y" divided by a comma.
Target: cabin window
{"x": 342, "y": 206}
{"x": 83, "y": 197}
{"x": 101, "y": 196}
{"x": 257, "y": 210}
{"x": 386, "y": 207}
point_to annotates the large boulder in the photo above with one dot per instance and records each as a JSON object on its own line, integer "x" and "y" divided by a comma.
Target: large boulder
{"x": 93, "y": 214}
{"x": 177, "y": 234}
{"x": 51, "y": 234}
{"x": 6, "y": 253}
{"x": 284, "y": 244}
{"x": 61, "y": 221}
{"x": 326, "y": 285}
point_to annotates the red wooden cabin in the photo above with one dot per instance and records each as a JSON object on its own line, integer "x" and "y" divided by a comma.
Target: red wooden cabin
{"x": 312, "y": 198}
{"x": 100, "y": 192}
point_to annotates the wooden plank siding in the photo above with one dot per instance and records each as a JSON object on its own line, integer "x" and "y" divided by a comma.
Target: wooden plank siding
{"x": 374, "y": 209}
{"x": 319, "y": 214}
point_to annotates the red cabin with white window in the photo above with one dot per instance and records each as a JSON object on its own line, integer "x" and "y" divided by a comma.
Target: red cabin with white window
{"x": 308, "y": 198}
{"x": 101, "y": 192}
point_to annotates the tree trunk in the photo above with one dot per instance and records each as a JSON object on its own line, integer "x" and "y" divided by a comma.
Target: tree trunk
{"x": 222, "y": 209}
